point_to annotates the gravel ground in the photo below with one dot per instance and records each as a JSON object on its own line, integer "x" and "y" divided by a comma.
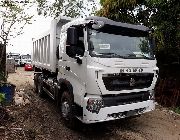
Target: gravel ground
{"x": 40, "y": 120}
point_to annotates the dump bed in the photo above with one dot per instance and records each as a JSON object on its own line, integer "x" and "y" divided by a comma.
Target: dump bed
{"x": 45, "y": 46}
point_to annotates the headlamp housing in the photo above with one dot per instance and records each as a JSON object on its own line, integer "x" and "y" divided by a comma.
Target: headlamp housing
{"x": 94, "y": 105}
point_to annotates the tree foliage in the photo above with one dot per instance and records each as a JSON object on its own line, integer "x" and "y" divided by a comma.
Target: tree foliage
{"x": 119, "y": 10}
{"x": 70, "y": 8}
{"x": 13, "y": 19}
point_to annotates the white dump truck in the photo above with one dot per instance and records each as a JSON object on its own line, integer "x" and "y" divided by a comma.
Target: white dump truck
{"x": 96, "y": 69}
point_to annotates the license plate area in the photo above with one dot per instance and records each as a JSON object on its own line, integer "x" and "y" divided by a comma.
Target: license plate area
{"x": 131, "y": 70}
{"x": 127, "y": 113}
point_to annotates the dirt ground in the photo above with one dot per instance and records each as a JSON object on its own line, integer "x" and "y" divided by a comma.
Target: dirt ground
{"x": 40, "y": 120}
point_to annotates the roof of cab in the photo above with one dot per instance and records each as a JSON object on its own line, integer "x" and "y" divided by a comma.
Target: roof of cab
{"x": 114, "y": 23}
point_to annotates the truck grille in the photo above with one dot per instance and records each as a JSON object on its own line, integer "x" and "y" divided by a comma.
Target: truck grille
{"x": 125, "y": 98}
{"x": 127, "y": 81}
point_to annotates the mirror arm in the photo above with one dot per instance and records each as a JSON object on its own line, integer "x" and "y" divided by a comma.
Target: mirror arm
{"x": 78, "y": 60}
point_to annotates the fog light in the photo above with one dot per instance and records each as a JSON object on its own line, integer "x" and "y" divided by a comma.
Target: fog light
{"x": 94, "y": 105}
{"x": 141, "y": 110}
{"x": 115, "y": 115}
{"x": 151, "y": 95}
{"x": 120, "y": 115}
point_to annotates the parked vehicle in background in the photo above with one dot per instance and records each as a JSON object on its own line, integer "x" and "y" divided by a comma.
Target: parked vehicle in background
{"x": 24, "y": 59}
{"x": 28, "y": 66}
{"x": 96, "y": 69}
{"x": 16, "y": 57}
{"x": 10, "y": 65}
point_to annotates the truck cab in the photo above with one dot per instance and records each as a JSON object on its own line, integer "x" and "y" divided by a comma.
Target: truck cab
{"x": 105, "y": 70}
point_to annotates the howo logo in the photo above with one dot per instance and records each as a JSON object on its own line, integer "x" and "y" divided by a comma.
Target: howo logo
{"x": 132, "y": 82}
{"x": 131, "y": 70}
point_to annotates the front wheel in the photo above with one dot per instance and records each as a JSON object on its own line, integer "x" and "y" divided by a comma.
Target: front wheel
{"x": 68, "y": 110}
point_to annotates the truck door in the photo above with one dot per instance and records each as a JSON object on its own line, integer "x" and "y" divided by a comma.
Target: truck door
{"x": 72, "y": 67}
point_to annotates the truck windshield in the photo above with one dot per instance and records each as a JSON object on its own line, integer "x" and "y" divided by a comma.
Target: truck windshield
{"x": 103, "y": 44}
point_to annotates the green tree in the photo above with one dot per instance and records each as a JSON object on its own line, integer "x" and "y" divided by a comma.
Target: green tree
{"x": 13, "y": 20}
{"x": 166, "y": 21}
{"x": 129, "y": 11}
{"x": 119, "y": 10}
{"x": 70, "y": 8}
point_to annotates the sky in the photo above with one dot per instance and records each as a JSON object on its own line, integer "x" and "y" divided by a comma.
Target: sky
{"x": 23, "y": 43}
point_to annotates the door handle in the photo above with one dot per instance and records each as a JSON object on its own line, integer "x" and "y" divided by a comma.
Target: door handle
{"x": 67, "y": 68}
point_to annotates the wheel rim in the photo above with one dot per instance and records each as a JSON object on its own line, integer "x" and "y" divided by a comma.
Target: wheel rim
{"x": 65, "y": 109}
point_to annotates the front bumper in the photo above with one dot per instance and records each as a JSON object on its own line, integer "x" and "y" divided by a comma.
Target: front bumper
{"x": 117, "y": 112}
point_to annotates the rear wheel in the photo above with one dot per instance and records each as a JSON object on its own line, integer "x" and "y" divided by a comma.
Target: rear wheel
{"x": 68, "y": 110}
{"x": 36, "y": 82}
{"x": 40, "y": 86}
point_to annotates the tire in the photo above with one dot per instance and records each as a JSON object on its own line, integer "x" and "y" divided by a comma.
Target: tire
{"x": 68, "y": 110}
{"x": 40, "y": 87}
{"x": 36, "y": 82}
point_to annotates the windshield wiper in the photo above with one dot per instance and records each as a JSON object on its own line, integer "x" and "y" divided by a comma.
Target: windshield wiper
{"x": 138, "y": 56}
{"x": 112, "y": 54}
{"x": 145, "y": 57}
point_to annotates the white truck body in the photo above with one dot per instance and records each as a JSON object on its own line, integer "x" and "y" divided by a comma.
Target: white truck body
{"x": 45, "y": 45}
{"x": 104, "y": 87}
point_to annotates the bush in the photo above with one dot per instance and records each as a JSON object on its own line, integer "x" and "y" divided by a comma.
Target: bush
{"x": 177, "y": 110}
{"x": 2, "y": 97}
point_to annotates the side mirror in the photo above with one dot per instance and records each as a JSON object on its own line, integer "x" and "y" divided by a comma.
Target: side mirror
{"x": 57, "y": 52}
{"x": 71, "y": 51}
{"x": 152, "y": 42}
{"x": 91, "y": 46}
{"x": 72, "y": 36}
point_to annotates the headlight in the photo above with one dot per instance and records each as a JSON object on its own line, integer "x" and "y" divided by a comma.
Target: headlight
{"x": 94, "y": 105}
